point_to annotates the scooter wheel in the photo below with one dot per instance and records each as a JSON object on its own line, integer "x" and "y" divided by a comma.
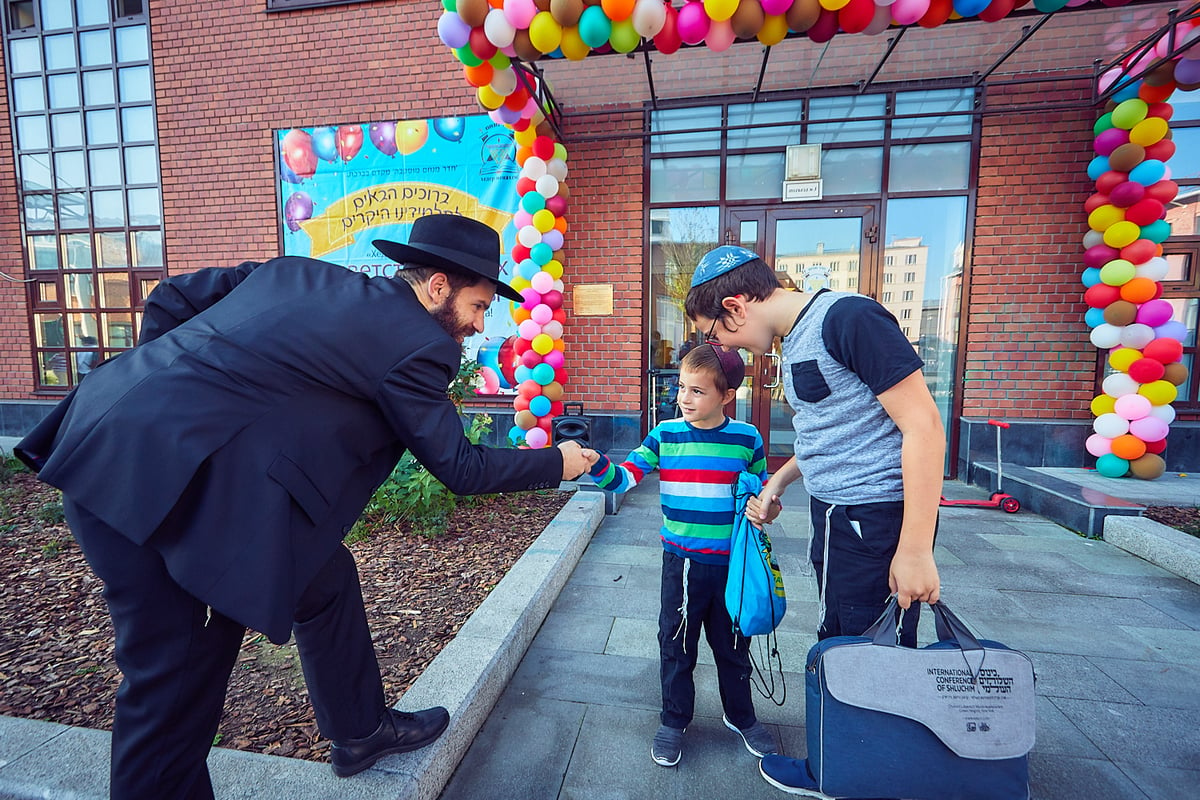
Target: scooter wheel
{"x": 1010, "y": 504}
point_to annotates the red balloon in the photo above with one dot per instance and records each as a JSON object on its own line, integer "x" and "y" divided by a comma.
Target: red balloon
{"x": 1156, "y": 447}
{"x": 1093, "y": 202}
{"x": 667, "y": 40}
{"x": 525, "y": 186}
{"x": 298, "y": 154}
{"x": 1164, "y": 350}
{"x": 1164, "y": 110}
{"x": 996, "y": 10}
{"x": 520, "y": 403}
{"x": 1110, "y": 180}
{"x": 557, "y": 205}
{"x": 521, "y": 345}
{"x": 1146, "y": 370}
{"x": 1101, "y": 295}
{"x": 556, "y": 408}
{"x": 1126, "y": 194}
{"x": 1163, "y": 191}
{"x": 1156, "y": 94}
{"x": 543, "y": 148}
{"x": 480, "y": 44}
{"x": 856, "y": 15}
{"x": 939, "y": 11}
{"x": 560, "y": 316}
{"x": 531, "y": 358}
{"x": 508, "y": 357}
{"x": 1145, "y": 211}
{"x": 1139, "y": 252}
{"x": 1162, "y": 150}
{"x": 519, "y": 251}
{"x": 545, "y": 423}
{"x": 553, "y": 298}
{"x": 1099, "y": 255}
{"x": 349, "y": 141}
{"x": 825, "y": 27}
{"x": 560, "y": 375}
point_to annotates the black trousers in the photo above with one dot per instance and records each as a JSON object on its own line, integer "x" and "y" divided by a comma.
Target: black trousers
{"x": 176, "y": 655}
{"x": 862, "y": 542}
{"x": 678, "y": 641}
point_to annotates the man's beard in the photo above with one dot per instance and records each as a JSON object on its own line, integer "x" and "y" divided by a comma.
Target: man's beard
{"x": 450, "y": 323}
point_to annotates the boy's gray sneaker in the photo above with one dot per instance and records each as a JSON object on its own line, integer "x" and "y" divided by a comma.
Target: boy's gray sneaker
{"x": 668, "y": 746}
{"x": 758, "y": 739}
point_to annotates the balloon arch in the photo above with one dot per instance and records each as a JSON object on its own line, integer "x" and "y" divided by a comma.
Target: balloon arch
{"x": 1123, "y": 260}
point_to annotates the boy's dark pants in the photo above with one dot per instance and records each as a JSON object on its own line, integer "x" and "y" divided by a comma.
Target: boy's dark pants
{"x": 678, "y": 643}
{"x": 863, "y": 542}
{"x": 176, "y": 656}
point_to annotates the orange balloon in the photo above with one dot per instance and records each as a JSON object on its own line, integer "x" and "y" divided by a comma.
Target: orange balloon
{"x": 1128, "y": 447}
{"x": 480, "y": 75}
{"x": 523, "y": 154}
{"x": 560, "y": 224}
{"x": 520, "y": 314}
{"x": 1139, "y": 290}
{"x": 617, "y": 10}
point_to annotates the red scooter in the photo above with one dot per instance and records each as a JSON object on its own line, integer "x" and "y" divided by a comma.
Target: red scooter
{"x": 1005, "y": 502}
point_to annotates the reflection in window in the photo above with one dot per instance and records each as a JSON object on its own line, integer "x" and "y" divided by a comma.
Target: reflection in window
{"x": 762, "y": 114}
{"x": 683, "y": 119}
{"x": 684, "y": 180}
{"x": 852, "y": 171}
{"x": 929, "y": 167}
{"x": 753, "y": 175}
{"x": 684, "y": 235}
{"x": 847, "y": 109}
{"x": 935, "y": 101}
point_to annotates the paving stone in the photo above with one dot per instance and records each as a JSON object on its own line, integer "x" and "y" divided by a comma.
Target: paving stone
{"x": 1177, "y": 647}
{"x": 1061, "y": 675}
{"x": 1163, "y": 783}
{"x": 586, "y": 632}
{"x": 1066, "y": 778}
{"x": 1057, "y": 735}
{"x": 1164, "y": 737}
{"x": 1156, "y": 684}
{"x": 1091, "y": 611}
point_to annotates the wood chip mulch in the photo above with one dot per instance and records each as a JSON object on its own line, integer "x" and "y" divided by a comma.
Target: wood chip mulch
{"x": 1185, "y": 518}
{"x": 56, "y": 659}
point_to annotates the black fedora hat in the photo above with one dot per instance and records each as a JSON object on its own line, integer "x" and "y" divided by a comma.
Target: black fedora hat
{"x": 454, "y": 243}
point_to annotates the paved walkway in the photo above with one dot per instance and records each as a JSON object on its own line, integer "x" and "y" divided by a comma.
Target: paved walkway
{"x": 1114, "y": 639}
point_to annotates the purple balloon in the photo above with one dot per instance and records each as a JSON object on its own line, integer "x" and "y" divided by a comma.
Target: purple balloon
{"x": 1172, "y": 330}
{"x": 297, "y": 209}
{"x": 554, "y": 238}
{"x": 383, "y": 136}
{"x": 1187, "y": 71}
{"x": 453, "y": 31}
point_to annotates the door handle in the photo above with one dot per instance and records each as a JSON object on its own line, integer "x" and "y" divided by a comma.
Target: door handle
{"x": 774, "y": 382}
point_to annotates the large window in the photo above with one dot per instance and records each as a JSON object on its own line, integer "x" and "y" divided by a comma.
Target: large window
{"x": 82, "y": 105}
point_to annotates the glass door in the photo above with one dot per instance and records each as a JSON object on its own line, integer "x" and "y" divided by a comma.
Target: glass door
{"x": 815, "y": 247}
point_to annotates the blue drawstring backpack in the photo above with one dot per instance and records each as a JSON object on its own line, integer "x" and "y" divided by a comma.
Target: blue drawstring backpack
{"x": 754, "y": 594}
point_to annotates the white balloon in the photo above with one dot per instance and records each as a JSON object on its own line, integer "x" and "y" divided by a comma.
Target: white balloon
{"x": 1137, "y": 335}
{"x": 649, "y": 17}
{"x": 553, "y": 329}
{"x": 547, "y": 185}
{"x": 1155, "y": 269}
{"x": 1110, "y": 426}
{"x": 504, "y": 82}
{"x": 533, "y": 168}
{"x": 1119, "y": 384}
{"x": 558, "y": 168}
{"x": 558, "y": 286}
{"x": 1092, "y": 238}
{"x": 1165, "y": 413}
{"x": 529, "y": 236}
{"x": 1105, "y": 336}
{"x": 498, "y": 29}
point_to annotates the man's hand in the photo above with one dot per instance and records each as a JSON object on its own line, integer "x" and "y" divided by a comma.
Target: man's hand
{"x": 575, "y": 460}
{"x": 914, "y": 577}
{"x": 764, "y": 508}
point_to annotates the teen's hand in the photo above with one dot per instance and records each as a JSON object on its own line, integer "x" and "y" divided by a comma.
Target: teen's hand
{"x": 764, "y": 508}
{"x": 913, "y": 577}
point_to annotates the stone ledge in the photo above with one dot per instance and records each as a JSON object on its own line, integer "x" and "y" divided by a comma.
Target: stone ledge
{"x": 48, "y": 761}
{"x": 1162, "y": 545}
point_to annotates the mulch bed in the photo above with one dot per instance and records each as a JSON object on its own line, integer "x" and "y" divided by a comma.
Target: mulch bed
{"x": 56, "y": 639}
{"x": 1185, "y": 518}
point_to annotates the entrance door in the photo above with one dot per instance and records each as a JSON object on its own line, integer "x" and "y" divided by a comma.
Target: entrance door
{"x": 813, "y": 247}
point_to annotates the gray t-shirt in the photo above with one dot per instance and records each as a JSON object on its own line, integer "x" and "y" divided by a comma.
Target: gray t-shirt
{"x": 844, "y": 350}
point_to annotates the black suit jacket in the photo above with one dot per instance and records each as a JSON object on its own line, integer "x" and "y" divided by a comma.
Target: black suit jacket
{"x": 262, "y": 407}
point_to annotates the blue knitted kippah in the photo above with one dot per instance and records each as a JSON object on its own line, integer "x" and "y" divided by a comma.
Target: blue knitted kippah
{"x": 719, "y": 261}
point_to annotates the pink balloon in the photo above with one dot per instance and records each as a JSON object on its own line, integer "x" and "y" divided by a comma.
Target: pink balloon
{"x": 1108, "y": 79}
{"x": 542, "y": 282}
{"x": 529, "y": 329}
{"x": 1155, "y": 313}
{"x": 542, "y": 313}
{"x": 1132, "y": 406}
{"x": 692, "y": 23}
{"x": 531, "y": 298}
{"x": 719, "y": 36}
{"x": 1098, "y": 445}
{"x": 907, "y": 12}
{"x": 522, "y": 219}
{"x": 491, "y": 381}
{"x": 536, "y": 438}
{"x": 555, "y": 358}
{"x": 1109, "y": 140}
{"x": 557, "y": 205}
{"x": 520, "y": 13}
{"x": 1149, "y": 429}
{"x": 776, "y": 7}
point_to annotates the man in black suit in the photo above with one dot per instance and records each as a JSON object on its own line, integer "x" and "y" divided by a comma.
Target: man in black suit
{"x": 210, "y": 474}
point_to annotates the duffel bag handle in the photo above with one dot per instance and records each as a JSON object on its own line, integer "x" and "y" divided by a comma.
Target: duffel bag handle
{"x": 949, "y": 627}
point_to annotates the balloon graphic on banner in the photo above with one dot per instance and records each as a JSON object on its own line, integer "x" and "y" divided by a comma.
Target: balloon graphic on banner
{"x": 450, "y": 128}
{"x": 411, "y": 136}
{"x": 324, "y": 143}
{"x": 349, "y": 141}
{"x": 297, "y": 209}
{"x": 383, "y": 136}
{"x": 298, "y": 153}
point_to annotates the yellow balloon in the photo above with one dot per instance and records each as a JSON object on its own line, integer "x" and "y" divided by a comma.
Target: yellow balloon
{"x": 542, "y": 344}
{"x": 543, "y": 220}
{"x": 1103, "y": 404}
{"x": 833, "y": 5}
{"x": 553, "y": 268}
{"x": 525, "y": 138}
{"x": 1104, "y": 217}
{"x": 1159, "y": 393}
{"x": 774, "y": 29}
{"x": 1122, "y": 233}
{"x": 720, "y": 10}
{"x": 1121, "y": 358}
{"x": 1149, "y": 131}
{"x": 544, "y": 32}
{"x": 572, "y": 44}
{"x": 488, "y": 97}
{"x": 518, "y": 283}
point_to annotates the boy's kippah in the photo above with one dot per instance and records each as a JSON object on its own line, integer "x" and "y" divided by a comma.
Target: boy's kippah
{"x": 719, "y": 261}
{"x": 732, "y": 365}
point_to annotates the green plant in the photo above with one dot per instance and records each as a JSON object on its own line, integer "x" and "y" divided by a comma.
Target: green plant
{"x": 9, "y": 466}
{"x": 52, "y": 548}
{"x": 51, "y": 513}
{"x": 411, "y": 493}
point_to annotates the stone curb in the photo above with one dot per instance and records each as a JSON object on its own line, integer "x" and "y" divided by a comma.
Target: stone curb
{"x": 48, "y": 761}
{"x": 1159, "y": 544}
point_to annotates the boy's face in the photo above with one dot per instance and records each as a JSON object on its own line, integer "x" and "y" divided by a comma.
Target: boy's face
{"x": 699, "y": 401}
{"x": 741, "y": 327}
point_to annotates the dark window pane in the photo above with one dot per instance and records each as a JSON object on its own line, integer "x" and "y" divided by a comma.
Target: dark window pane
{"x": 929, "y": 167}
{"x": 759, "y": 175}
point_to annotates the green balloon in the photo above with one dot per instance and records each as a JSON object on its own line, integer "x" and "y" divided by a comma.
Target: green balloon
{"x": 450, "y": 5}
{"x": 467, "y": 56}
{"x": 624, "y": 37}
{"x": 1129, "y": 113}
{"x": 1102, "y": 124}
{"x": 594, "y": 26}
{"x": 1117, "y": 272}
{"x": 1049, "y": 6}
{"x": 1112, "y": 466}
{"x": 1157, "y": 231}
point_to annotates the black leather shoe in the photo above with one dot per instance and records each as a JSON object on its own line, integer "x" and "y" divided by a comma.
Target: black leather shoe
{"x": 400, "y": 732}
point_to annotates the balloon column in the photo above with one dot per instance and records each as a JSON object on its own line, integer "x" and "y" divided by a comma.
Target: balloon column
{"x": 1124, "y": 264}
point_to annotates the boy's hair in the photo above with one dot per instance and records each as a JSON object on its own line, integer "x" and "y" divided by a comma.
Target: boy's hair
{"x": 754, "y": 280}
{"x": 725, "y": 367}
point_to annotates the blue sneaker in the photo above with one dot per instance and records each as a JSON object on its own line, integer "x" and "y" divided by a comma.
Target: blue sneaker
{"x": 791, "y": 775}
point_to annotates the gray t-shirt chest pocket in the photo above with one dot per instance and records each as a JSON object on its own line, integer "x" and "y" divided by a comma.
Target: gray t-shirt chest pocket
{"x": 808, "y": 382}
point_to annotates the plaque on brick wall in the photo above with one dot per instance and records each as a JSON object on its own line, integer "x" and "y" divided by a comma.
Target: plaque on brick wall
{"x": 593, "y": 299}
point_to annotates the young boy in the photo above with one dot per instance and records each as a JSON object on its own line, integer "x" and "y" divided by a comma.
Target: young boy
{"x": 699, "y": 456}
{"x": 869, "y": 441}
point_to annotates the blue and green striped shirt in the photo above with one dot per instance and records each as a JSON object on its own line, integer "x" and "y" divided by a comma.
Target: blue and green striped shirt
{"x": 698, "y": 469}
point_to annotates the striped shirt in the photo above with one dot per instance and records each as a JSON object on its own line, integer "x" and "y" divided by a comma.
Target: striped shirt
{"x": 697, "y": 471}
